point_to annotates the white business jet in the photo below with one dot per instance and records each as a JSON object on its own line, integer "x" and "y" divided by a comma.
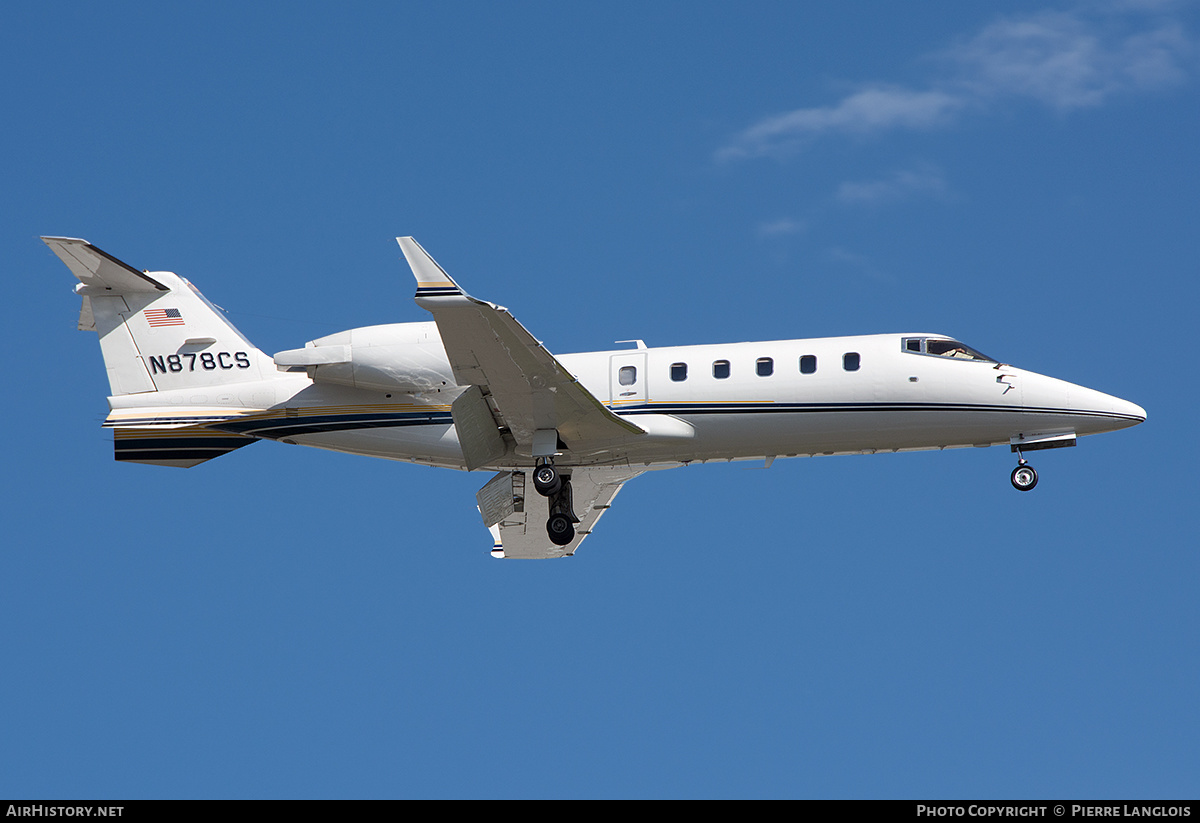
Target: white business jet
{"x": 475, "y": 390}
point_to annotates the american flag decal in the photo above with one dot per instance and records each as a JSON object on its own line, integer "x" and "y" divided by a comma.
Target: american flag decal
{"x": 163, "y": 317}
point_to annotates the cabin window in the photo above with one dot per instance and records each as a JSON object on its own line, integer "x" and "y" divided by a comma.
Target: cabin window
{"x": 627, "y": 376}
{"x": 679, "y": 372}
{"x": 851, "y": 361}
{"x": 721, "y": 369}
{"x": 764, "y": 367}
{"x": 808, "y": 364}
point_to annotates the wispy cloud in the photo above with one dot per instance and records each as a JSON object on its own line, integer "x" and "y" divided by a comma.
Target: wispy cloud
{"x": 868, "y": 110}
{"x": 857, "y": 263}
{"x": 899, "y": 185}
{"x": 782, "y": 227}
{"x": 1064, "y": 60}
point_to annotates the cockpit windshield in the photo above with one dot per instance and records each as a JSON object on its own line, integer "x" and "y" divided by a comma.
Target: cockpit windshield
{"x": 943, "y": 347}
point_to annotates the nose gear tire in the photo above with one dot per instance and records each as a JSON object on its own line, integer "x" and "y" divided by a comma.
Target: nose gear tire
{"x": 1024, "y": 478}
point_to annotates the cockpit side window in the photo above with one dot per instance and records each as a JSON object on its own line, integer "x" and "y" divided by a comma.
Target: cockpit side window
{"x": 952, "y": 348}
{"x": 943, "y": 347}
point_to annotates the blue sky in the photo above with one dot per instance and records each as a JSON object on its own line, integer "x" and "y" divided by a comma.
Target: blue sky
{"x": 287, "y": 622}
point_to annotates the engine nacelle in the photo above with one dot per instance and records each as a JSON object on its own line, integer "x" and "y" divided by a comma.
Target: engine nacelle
{"x": 400, "y": 357}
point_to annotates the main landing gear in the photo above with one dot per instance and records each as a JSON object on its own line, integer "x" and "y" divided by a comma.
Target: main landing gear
{"x": 1023, "y": 477}
{"x": 546, "y": 479}
{"x": 549, "y": 483}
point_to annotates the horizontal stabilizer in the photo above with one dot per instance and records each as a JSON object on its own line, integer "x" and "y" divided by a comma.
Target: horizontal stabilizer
{"x": 99, "y": 270}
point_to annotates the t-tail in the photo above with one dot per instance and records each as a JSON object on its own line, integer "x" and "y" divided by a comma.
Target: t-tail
{"x": 176, "y": 367}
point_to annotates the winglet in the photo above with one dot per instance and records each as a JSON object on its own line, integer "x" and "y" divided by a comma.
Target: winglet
{"x": 432, "y": 280}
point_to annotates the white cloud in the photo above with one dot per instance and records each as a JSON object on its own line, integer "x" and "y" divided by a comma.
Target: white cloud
{"x": 857, "y": 263}
{"x": 899, "y": 185}
{"x": 868, "y": 110}
{"x": 1064, "y": 60}
{"x": 783, "y": 226}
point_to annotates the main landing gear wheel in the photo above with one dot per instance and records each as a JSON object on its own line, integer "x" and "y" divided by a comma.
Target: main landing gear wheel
{"x": 547, "y": 480}
{"x": 1024, "y": 478}
{"x": 561, "y": 529}
{"x": 556, "y": 488}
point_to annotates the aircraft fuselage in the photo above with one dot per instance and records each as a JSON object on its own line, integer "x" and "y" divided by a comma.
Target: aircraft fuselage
{"x": 782, "y": 398}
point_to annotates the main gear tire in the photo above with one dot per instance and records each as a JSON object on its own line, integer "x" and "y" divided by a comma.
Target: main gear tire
{"x": 546, "y": 480}
{"x": 561, "y": 529}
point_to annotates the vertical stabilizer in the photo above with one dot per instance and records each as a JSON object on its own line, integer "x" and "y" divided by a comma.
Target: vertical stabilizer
{"x": 157, "y": 332}
{"x": 176, "y": 367}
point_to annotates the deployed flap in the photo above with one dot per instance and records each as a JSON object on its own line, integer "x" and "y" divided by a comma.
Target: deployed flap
{"x": 522, "y": 523}
{"x": 488, "y": 348}
{"x": 477, "y": 432}
{"x": 99, "y": 269}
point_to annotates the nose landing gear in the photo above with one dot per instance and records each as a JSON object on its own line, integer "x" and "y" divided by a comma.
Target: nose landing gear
{"x": 1023, "y": 477}
{"x": 549, "y": 483}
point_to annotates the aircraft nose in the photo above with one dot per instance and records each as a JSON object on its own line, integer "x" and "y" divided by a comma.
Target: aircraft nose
{"x": 1124, "y": 407}
{"x": 1117, "y": 413}
{"x": 1089, "y": 411}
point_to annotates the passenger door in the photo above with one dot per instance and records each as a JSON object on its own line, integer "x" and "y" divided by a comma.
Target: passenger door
{"x": 627, "y": 378}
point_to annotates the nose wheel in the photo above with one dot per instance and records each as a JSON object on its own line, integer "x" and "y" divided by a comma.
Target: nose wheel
{"x": 1024, "y": 478}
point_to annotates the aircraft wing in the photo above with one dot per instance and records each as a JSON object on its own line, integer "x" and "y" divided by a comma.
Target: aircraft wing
{"x": 533, "y": 394}
{"x": 517, "y": 521}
